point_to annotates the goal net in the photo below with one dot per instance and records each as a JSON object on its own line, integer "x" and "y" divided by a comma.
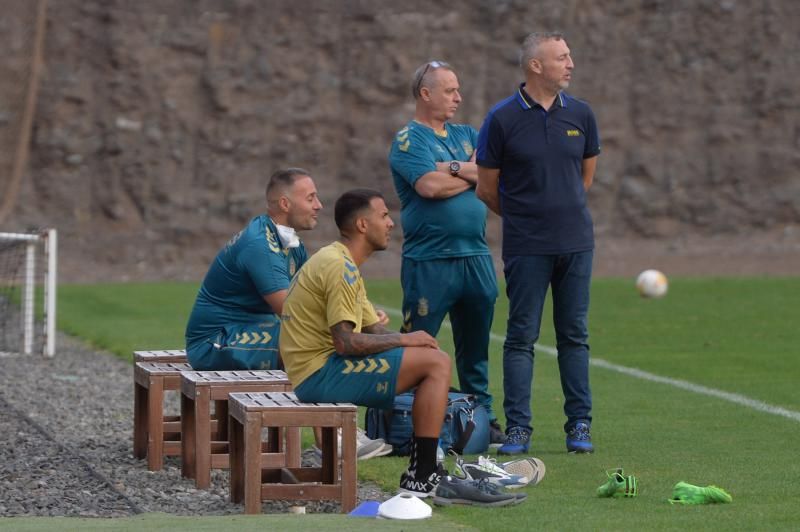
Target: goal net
{"x": 28, "y": 292}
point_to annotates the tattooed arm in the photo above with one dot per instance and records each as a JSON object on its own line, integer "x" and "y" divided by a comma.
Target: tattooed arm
{"x": 376, "y": 328}
{"x": 348, "y": 342}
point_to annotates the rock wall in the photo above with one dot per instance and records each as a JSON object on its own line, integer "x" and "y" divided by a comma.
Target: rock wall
{"x": 158, "y": 123}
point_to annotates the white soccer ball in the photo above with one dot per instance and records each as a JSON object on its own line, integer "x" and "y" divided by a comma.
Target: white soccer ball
{"x": 652, "y": 283}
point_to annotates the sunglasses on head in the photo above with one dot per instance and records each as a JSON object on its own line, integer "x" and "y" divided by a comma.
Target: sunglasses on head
{"x": 428, "y": 66}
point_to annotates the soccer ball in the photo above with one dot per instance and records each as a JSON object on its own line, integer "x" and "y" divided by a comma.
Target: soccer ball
{"x": 651, "y": 283}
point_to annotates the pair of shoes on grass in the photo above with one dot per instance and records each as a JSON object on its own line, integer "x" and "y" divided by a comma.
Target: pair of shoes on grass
{"x": 513, "y": 474}
{"x": 619, "y": 485}
{"x": 448, "y": 489}
{"x": 578, "y": 440}
{"x": 485, "y": 468}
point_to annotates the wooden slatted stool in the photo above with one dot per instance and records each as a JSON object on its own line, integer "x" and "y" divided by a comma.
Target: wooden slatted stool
{"x": 165, "y": 355}
{"x": 154, "y": 434}
{"x": 256, "y": 477}
{"x": 199, "y": 452}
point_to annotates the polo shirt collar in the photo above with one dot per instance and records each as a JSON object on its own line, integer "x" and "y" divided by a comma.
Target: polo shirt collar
{"x": 526, "y": 102}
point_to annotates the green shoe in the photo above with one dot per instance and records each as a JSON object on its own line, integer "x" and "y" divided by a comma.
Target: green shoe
{"x": 618, "y": 485}
{"x": 685, "y": 493}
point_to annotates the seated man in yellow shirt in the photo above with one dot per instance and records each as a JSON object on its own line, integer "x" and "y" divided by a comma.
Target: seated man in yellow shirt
{"x": 336, "y": 350}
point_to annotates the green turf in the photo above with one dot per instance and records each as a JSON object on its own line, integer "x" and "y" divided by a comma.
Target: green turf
{"x": 734, "y": 335}
{"x": 240, "y": 523}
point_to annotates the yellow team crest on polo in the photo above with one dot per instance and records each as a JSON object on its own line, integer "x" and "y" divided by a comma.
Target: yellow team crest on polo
{"x": 468, "y": 149}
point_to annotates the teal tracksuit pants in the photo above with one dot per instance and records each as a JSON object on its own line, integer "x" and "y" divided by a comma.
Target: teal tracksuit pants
{"x": 466, "y": 289}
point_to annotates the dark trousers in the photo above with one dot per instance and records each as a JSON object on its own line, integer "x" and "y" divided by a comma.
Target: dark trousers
{"x": 527, "y": 281}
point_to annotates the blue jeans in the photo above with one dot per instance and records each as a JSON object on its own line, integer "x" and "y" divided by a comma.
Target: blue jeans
{"x": 527, "y": 280}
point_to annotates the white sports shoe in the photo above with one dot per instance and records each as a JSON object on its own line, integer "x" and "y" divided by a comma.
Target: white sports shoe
{"x": 486, "y": 468}
{"x": 368, "y": 448}
{"x": 365, "y": 447}
{"x": 531, "y": 467}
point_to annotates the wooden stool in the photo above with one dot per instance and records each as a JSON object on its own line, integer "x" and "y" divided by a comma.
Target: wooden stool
{"x": 154, "y": 434}
{"x": 167, "y": 355}
{"x": 256, "y": 477}
{"x": 199, "y": 453}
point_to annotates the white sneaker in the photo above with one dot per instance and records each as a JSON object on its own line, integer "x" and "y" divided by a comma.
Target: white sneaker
{"x": 486, "y": 468}
{"x": 368, "y": 448}
{"x": 365, "y": 447}
{"x": 531, "y": 467}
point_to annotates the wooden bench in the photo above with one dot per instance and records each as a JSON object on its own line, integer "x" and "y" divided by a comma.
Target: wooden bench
{"x": 199, "y": 453}
{"x": 156, "y": 435}
{"x": 256, "y": 477}
{"x": 166, "y": 355}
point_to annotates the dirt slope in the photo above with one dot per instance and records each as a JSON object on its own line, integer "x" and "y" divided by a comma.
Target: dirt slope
{"x": 158, "y": 122}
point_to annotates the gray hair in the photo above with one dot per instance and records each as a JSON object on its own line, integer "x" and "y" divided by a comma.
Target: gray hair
{"x": 531, "y": 44}
{"x": 422, "y": 75}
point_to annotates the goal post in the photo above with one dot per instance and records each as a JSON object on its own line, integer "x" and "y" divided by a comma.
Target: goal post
{"x": 21, "y": 272}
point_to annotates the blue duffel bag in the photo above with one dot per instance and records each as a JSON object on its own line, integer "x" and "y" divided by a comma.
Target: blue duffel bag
{"x": 465, "y": 429}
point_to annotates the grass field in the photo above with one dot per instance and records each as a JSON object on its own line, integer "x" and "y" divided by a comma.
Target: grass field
{"x": 700, "y": 386}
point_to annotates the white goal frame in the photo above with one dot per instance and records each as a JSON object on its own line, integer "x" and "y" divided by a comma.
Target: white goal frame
{"x": 50, "y": 239}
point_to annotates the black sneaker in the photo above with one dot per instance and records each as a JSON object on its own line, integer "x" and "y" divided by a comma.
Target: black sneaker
{"x": 452, "y": 490}
{"x": 421, "y": 488}
{"x": 496, "y": 434}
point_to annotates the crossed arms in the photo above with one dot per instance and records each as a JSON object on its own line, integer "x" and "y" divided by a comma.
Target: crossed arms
{"x": 439, "y": 184}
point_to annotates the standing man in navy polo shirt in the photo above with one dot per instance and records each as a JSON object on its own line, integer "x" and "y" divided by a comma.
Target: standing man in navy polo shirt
{"x": 537, "y": 153}
{"x": 447, "y": 266}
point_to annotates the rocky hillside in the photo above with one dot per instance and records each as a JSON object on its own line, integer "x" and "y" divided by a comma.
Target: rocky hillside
{"x": 158, "y": 123}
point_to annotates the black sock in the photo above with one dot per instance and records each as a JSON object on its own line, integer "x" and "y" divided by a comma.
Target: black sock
{"x": 423, "y": 457}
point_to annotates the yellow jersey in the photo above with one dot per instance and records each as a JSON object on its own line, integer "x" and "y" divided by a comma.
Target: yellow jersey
{"x": 327, "y": 290}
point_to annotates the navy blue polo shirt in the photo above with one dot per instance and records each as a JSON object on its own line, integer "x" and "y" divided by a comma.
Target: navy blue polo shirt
{"x": 540, "y": 157}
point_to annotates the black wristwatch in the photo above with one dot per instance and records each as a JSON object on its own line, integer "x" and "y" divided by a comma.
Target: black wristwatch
{"x": 455, "y": 168}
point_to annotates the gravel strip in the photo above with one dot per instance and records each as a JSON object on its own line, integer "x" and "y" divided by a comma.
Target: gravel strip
{"x": 67, "y": 423}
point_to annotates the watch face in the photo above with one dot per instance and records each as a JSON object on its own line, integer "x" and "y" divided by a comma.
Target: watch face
{"x": 454, "y": 167}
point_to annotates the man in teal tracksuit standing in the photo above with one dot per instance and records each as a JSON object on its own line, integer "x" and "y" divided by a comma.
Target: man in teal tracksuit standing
{"x": 447, "y": 266}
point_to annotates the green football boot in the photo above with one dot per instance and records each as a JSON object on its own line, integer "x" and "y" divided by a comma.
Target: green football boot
{"x": 618, "y": 485}
{"x": 685, "y": 493}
